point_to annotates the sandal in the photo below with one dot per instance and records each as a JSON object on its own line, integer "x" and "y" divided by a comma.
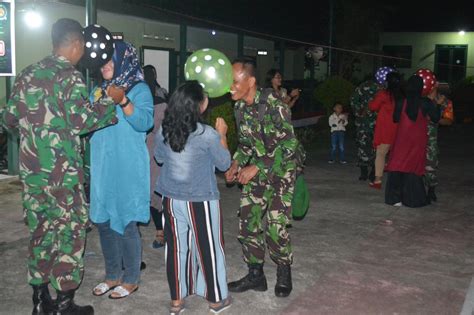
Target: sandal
{"x": 159, "y": 239}
{"x": 218, "y": 307}
{"x": 376, "y": 184}
{"x": 120, "y": 292}
{"x": 103, "y": 288}
{"x": 177, "y": 309}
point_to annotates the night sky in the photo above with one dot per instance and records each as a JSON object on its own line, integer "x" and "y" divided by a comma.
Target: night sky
{"x": 308, "y": 20}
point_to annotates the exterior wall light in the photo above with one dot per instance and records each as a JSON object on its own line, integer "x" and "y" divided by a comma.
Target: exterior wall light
{"x": 33, "y": 19}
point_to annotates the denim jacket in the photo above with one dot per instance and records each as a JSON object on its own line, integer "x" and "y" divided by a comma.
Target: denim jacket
{"x": 190, "y": 174}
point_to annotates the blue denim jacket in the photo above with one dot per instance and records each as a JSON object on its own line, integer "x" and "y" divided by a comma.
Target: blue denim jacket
{"x": 190, "y": 174}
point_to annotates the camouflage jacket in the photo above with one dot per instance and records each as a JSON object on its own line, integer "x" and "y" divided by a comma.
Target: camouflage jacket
{"x": 49, "y": 104}
{"x": 360, "y": 99}
{"x": 269, "y": 141}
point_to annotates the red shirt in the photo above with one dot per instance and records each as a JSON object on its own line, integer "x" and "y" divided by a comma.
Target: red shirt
{"x": 385, "y": 128}
{"x": 408, "y": 153}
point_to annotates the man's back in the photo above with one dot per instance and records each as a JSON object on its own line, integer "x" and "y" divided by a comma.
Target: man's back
{"x": 47, "y": 107}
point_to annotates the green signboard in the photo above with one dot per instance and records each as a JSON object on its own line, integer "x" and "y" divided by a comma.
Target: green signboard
{"x": 7, "y": 38}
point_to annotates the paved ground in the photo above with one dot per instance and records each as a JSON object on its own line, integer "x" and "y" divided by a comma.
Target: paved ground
{"x": 353, "y": 253}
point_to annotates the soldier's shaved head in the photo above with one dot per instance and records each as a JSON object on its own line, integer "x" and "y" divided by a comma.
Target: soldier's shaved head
{"x": 65, "y": 32}
{"x": 248, "y": 66}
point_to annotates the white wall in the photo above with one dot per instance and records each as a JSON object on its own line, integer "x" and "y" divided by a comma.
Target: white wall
{"x": 264, "y": 63}
{"x": 198, "y": 38}
{"x": 34, "y": 44}
{"x": 425, "y": 43}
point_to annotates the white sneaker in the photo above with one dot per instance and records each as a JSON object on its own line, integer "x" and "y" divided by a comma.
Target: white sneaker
{"x": 398, "y": 204}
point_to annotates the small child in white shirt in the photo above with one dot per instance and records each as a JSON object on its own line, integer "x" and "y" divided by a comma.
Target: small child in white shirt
{"x": 337, "y": 122}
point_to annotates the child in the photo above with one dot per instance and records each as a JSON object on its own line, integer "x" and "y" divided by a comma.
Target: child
{"x": 337, "y": 122}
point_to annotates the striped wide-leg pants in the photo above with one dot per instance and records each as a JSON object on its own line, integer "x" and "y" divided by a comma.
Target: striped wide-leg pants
{"x": 195, "y": 259}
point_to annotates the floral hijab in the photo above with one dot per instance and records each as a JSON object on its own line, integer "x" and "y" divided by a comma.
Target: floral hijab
{"x": 127, "y": 70}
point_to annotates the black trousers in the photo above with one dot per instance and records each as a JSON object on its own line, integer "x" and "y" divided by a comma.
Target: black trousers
{"x": 407, "y": 188}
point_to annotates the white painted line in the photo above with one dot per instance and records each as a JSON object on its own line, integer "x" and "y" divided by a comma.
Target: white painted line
{"x": 468, "y": 307}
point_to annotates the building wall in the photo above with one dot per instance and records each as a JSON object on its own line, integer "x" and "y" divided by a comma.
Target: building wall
{"x": 33, "y": 44}
{"x": 424, "y": 43}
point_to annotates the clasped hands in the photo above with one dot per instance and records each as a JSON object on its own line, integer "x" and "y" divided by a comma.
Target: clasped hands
{"x": 117, "y": 93}
{"x": 243, "y": 176}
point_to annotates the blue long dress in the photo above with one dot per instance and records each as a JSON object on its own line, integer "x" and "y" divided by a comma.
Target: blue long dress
{"x": 120, "y": 165}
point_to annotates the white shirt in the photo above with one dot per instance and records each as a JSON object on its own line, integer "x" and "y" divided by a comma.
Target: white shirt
{"x": 338, "y": 122}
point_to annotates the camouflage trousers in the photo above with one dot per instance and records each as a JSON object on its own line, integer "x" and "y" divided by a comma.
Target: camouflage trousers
{"x": 432, "y": 151}
{"x": 365, "y": 148}
{"x": 56, "y": 218}
{"x": 271, "y": 199}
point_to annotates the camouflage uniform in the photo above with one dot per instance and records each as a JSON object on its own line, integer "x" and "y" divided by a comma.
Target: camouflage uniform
{"x": 49, "y": 105}
{"x": 364, "y": 122}
{"x": 269, "y": 143}
{"x": 432, "y": 151}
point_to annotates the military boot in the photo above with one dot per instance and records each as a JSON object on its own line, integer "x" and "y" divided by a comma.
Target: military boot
{"x": 254, "y": 280}
{"x": 364, "y": 173}
{"x": 431, "y": 194}
{"x": 284, "y": 284}
{"x": 65, "y": 305}
{"x": 42, "y": 301}
{"x": 372, "y": 174}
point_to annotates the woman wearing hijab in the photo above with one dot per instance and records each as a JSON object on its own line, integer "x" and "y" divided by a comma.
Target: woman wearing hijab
{"x": 120, "y": 174}
{"x": 407, "y": 159}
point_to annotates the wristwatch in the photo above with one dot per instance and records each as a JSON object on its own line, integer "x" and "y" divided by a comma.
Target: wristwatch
{"x": 126, "y": 103}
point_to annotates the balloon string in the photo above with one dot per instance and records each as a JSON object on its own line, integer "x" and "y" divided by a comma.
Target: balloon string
{"x": 359, "y": 52}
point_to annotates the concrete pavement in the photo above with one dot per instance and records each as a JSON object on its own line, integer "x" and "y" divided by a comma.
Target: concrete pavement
{"x": 353, "y": 254}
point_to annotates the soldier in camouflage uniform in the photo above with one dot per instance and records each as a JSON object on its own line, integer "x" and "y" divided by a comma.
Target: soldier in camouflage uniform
{"x": 49, "y": 105}
{"x": 432, "y": 151}
{"x": 365, "y": 123}
{"x": 265, "y": 163}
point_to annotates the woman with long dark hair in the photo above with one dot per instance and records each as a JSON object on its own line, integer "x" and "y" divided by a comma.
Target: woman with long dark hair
{"x": 189, "y": 152}
{"x": 274, "y": 80}
{"x": 407, "y": 160}
{"x": 385, "y": 128}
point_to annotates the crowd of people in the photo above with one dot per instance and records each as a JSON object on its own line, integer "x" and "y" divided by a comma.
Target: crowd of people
{"x": 151, "y": 154}
{"x": 400, "y": 119}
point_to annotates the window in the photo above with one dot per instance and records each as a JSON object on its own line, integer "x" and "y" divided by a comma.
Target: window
{"x": 450, "y": 62}
{"x": 400, "y": 51}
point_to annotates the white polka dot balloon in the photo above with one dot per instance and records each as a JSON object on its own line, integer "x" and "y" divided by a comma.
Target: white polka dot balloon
{"x": 212, "y": 69}
{"x": 99, "y": 46}
{"x": 381, "y": 74}
{"x": 429, "y": 80}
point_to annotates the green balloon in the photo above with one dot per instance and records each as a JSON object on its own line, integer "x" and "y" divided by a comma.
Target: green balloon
{"x": 212, "y": 69}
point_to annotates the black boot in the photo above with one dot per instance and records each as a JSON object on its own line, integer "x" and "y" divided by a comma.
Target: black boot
{"x": 42, "y": 302}
{"x": 431, "y": 194}
{"x": 254, "y": 280}
{"x": 372, "y": 174}
{"x": 283, "y": 285}
{"x": 65, "y": 305}
{"x": 364, "y": 173}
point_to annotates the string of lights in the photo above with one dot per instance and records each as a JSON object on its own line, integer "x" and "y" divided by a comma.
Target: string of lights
{"x": 261, "y": 34}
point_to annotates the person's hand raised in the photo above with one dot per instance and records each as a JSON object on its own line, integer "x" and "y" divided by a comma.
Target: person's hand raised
{"x": 295, "y": 93}
{"x": 116, "y": 93}
{"x": 221, "y": 126}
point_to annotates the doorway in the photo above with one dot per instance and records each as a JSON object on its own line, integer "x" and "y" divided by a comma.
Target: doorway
{"x": 450, "y": 63}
